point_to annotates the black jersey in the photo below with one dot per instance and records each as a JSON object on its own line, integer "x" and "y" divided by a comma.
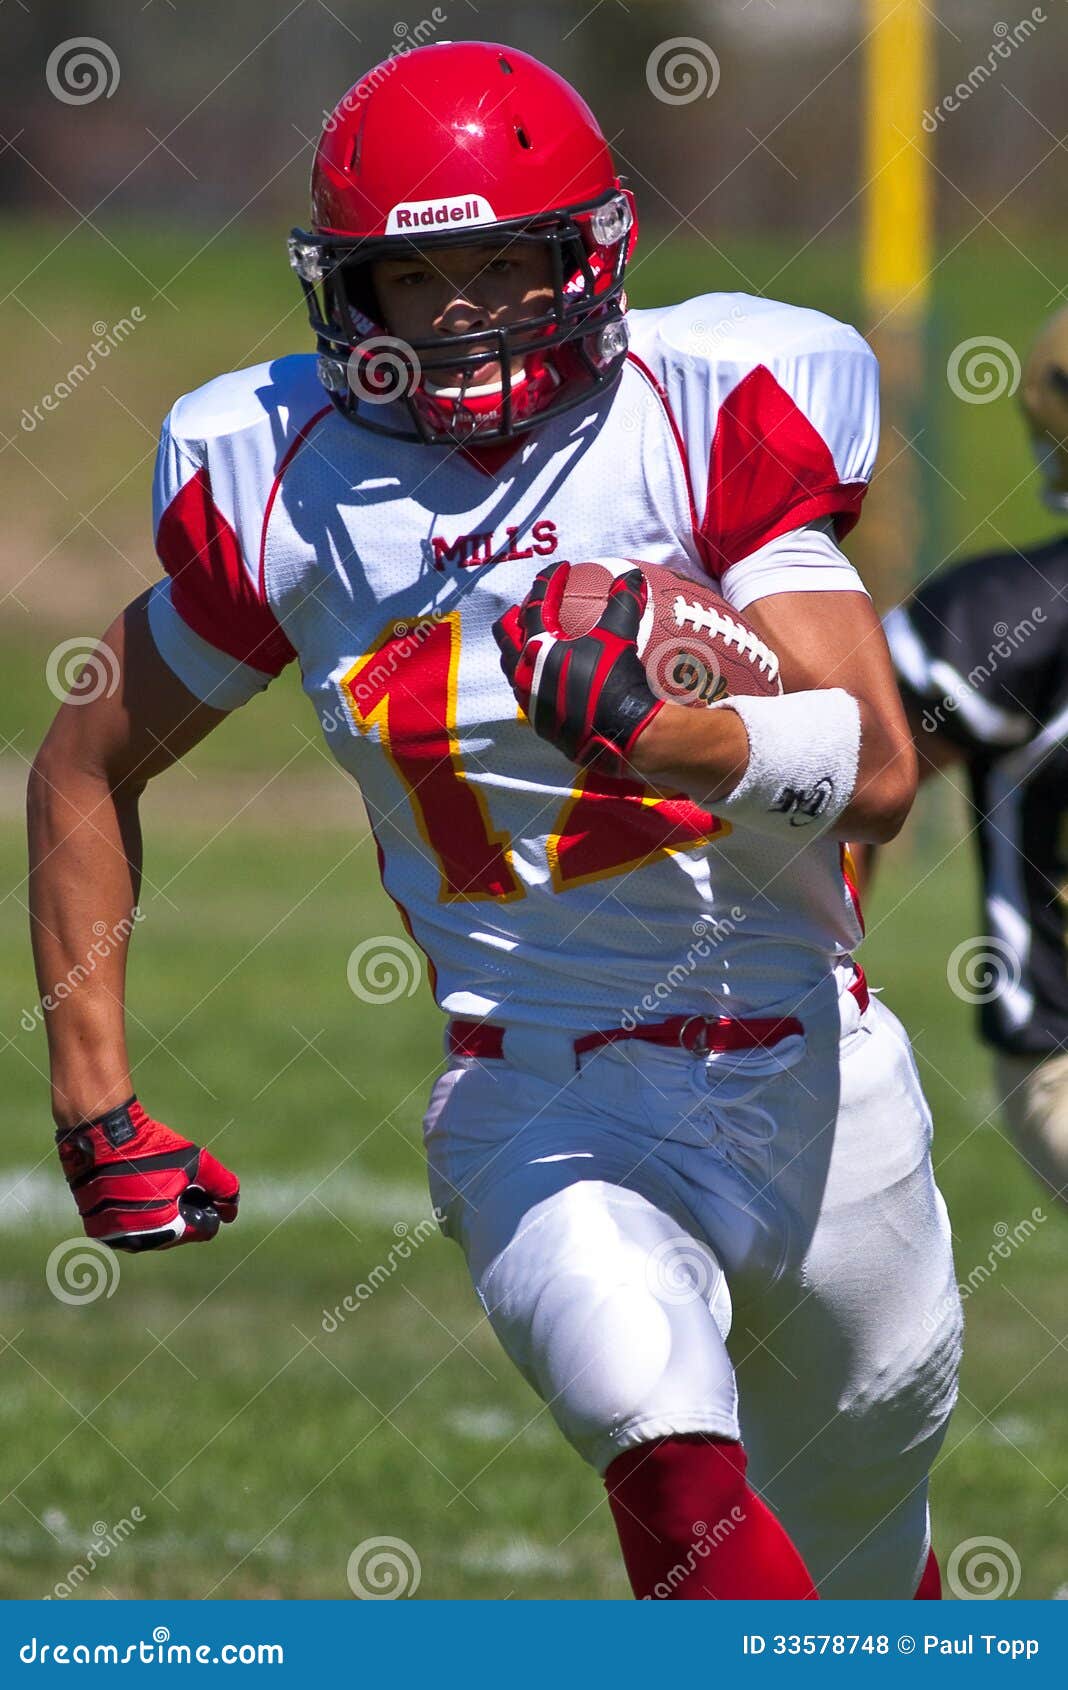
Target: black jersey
{"x": 981, "y": 653}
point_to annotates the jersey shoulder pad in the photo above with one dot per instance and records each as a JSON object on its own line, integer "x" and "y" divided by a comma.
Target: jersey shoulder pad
{"x": 281, "y": 395}
{"x": 220, "y": 452}
{"x": 778, "y": 409}
{"x": 738, "y": 329}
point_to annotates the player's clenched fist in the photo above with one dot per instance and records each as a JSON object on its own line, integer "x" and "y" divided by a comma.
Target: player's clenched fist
{"x": 590, "y": 695}
{"x": 140, "y": 1186}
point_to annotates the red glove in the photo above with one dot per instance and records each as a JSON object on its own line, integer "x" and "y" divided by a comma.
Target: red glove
{"x": 139, "y": 1186}
{"x": 589, "y": 696}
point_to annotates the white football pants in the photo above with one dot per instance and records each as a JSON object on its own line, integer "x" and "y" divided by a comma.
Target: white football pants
{"x": 749, "y": 1244}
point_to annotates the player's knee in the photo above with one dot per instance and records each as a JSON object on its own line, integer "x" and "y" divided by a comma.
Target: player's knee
{"x": 602, "y": 1355}
{"x": 579, "y": 1300}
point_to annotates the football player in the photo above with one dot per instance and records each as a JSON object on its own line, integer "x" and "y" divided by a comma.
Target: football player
{"x": 981, "y": 654}
{"x": 397, "y": 513}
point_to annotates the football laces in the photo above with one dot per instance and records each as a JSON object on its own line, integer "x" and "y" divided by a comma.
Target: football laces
{"x": 707, "y": 619}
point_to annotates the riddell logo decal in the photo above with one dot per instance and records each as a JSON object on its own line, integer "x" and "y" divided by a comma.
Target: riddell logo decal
{"x": 426, "y": 214}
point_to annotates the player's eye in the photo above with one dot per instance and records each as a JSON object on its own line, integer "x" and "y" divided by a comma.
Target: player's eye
{"x": 411, "y": 278}
{"x": 500, "y": 266}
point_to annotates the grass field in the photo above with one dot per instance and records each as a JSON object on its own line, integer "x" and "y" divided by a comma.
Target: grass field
{"x": 277, "y": 1447}
{"x": 257, "y": 1449}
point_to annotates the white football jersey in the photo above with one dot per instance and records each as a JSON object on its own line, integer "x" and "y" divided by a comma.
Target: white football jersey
{"x": 539, "y": 894}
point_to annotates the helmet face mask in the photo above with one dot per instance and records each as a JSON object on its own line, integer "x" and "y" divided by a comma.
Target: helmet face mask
{"x": 524, "y": 143}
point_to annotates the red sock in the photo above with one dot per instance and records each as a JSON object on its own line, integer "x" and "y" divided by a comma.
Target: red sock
{"x": 929, "y": 1588}
{"x": 690, "y": 1527}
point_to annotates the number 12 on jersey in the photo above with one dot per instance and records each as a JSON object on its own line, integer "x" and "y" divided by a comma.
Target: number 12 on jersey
{"x": 406, "y": 687}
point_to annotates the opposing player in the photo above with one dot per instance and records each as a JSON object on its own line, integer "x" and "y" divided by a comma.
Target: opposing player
{"x": 625, "y": 1180}
{"x": 981, "y": 654}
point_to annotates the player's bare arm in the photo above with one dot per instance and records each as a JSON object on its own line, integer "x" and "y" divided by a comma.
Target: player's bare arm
{"x": 824, "y": 640}
{"x": 832, "y": 752}
{"x": 85, "y": 870}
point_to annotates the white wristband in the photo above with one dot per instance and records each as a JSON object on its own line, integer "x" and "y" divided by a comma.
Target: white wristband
{"x": 804, "y": 752}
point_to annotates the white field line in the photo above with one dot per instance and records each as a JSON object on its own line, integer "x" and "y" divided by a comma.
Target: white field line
{"x": 518, "y": 1557}
{"x": 38, "y": 1198}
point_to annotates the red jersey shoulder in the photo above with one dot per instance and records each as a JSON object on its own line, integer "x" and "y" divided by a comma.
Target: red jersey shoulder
{"x": 777, "y": 408}
{"x": 222, "y": 452}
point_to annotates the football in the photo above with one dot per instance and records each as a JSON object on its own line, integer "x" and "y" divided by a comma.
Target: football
{"x": 695, "y": 648}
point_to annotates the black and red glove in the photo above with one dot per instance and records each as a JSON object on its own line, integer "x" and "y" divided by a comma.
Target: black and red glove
{"x": 139, "y": 1186}
{"x": 589, "y": 696}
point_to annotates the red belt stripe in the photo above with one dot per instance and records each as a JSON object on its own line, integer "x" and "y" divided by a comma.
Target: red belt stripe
{"x": 484, "y": 1040}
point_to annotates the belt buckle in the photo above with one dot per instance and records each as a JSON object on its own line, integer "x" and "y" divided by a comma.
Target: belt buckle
{"x": 699, "y": 1045}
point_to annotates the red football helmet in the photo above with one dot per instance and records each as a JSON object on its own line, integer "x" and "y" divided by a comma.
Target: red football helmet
{"x": 455, "y": 144}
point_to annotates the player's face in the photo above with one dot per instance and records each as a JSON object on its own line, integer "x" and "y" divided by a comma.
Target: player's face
{"x": 463, "y": 289}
